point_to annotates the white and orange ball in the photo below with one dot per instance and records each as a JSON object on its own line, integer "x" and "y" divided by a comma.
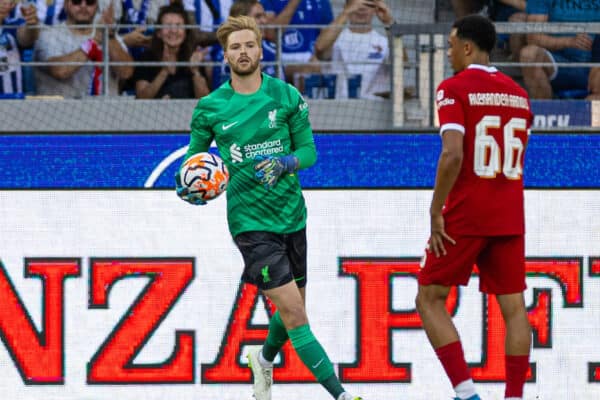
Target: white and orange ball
{"x": 204, "y": 175}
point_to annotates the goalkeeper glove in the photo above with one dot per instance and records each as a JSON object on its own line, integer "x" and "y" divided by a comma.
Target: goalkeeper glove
{"x": 184, "y": 193}
{"x": 269, "y": 169}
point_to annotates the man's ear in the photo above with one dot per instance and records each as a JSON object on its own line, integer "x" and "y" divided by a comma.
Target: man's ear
{"x": 468, "y": 47}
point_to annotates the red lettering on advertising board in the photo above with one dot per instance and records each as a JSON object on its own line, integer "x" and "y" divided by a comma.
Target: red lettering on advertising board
{"x": 567, "y": 273}
{"x": 113, "y": 363}
{"x": 376, "y": 320}
{"x": 240, "y": 332}
{"x": 594, "y": 367}
{"x": 39, "y": 356}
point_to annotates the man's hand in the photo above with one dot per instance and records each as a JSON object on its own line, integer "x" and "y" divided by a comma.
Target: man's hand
{"x": 582, "y": 41}
{"x": 438, "y": 234}
{"x": 29, "y": 13}
{"x": 136, "y": 38}
{"x": 185, "y": 195}
{"x": 107, "y": 18}
{"x": 383, "y": 12}
{"x": 269, "y": 169}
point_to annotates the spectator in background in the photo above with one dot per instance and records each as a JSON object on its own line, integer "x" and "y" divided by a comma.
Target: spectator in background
{"x": 594, "y": 79}
{"x": 172, "y": 43}
{"x": 145, "y": 13}
{"x": 14, "y": 33}
{"x": 250, "y": 8}
{"x": 70, "y": 43}
{"x": 543, "y": 82}
{"x": 358, "y": 49}
{"x": 298, "y": 43}
{"x": 53, "y": 12}
{"x": 463, "y": 8}
{"x": 510, "y": 11}
{"x": 208, "y": 13}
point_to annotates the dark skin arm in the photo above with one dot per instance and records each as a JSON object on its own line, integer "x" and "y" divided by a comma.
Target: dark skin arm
{"x": 448, "y": 169}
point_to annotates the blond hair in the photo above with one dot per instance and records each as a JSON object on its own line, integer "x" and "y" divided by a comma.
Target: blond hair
{"x": 234, "y": 24}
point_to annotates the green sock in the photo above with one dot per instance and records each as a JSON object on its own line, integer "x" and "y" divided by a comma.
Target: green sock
{"x": 314, "y": 357}
{"x": 276, "y": 337}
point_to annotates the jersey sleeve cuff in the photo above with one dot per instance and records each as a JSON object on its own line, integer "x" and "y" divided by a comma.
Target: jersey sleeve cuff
{"x": 453, "y": 127}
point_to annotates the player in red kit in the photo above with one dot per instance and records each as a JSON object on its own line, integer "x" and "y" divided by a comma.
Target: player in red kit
{"x": 477, "y": 214}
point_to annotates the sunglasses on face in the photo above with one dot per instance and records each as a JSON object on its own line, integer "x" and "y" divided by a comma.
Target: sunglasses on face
{"x": 87, "y": 2}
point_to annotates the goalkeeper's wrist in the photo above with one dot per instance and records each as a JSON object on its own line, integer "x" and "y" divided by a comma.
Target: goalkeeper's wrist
{"x": 290, "y": 163}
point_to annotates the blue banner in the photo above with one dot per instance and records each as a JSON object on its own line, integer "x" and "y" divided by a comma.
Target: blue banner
{"x": 389, "y": 161}
{"x": 561, "y": 113}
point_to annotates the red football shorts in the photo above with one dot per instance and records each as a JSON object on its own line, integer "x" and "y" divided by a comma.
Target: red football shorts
{"x": 500, "y": 260}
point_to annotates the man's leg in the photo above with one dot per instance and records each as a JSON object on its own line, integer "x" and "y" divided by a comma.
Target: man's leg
{"x": 290, "y": 303}
{"x": 277, "y": 335}
{"x": 537, "y": 79}
{"x": 443, "y": 336}
{"x": 517, "y": 343}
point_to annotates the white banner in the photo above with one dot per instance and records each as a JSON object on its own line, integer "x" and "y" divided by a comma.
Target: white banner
{"x": 136, "y": 294}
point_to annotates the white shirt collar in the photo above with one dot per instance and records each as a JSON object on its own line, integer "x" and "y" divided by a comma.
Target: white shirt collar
{"x": 486, "y": 68}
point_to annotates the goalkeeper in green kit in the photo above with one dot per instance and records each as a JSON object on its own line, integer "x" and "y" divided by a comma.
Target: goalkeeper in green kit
{"x": 263, "y": 134}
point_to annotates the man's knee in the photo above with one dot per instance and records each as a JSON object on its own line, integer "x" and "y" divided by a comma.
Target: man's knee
{"x": 532, "y": 54}
{"x": 594, "y": 80}
{"x": 513, "y": 307}
{"x": 429, "y": 296}
{"x": 293, "y": 315}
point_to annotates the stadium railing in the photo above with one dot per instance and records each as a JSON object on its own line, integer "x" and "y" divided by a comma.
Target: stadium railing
{"x": 427, "y": 44}
{"x": 424, "y": 69}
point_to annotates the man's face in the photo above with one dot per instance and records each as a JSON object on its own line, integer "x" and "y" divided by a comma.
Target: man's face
{"x": 6, "y": 6}
{"x": 243, "y": 53}
{"x": 363, "y": 15}
{"x": 81, "y": 12}
{"x": 258, "y": 13}
{"x": 456, "y": 52}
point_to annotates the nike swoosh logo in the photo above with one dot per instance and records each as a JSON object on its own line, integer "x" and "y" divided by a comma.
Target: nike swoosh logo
{"x": 227, "y": 126}
{"x": 317, "y": 364}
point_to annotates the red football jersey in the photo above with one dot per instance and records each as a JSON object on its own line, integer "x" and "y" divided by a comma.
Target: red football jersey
{"x": 494, "y": 114}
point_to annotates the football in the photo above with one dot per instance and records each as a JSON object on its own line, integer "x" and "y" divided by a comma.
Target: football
{"x": 204, "y": 174}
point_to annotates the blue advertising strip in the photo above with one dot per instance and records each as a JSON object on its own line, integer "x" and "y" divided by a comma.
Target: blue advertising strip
{"x": 561, "y": 113}
{"x": 391, "y": 160}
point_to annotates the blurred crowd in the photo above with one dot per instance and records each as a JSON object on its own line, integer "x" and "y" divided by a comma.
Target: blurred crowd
{"x": 161, "y": 49}
{"x": 544, "y": 58}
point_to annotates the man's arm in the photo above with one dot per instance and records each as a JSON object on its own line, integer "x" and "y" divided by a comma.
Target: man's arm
{"x": 448, "y": 168}
{"x": 581, "y": 41}
{"x": 201, "y": 134}
{"x": 26, "y": 36}
{"x": 286, "y": 15}
{"x": 518, "y": 4}
{"x": 329, "y": 34}
{"x": 117, "y": 52}
{"x": 65, "y": 71}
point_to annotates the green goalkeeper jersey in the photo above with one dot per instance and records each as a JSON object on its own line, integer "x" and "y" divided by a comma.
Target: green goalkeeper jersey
{"x": 273, "y": 121}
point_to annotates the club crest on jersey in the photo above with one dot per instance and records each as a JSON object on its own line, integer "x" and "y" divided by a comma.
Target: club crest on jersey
{"x": 273, "y": 118}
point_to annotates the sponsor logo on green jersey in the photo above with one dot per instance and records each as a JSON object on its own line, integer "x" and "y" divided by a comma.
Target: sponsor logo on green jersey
{"x": 268, "y": 148}
{"x": 265, "y": 274}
